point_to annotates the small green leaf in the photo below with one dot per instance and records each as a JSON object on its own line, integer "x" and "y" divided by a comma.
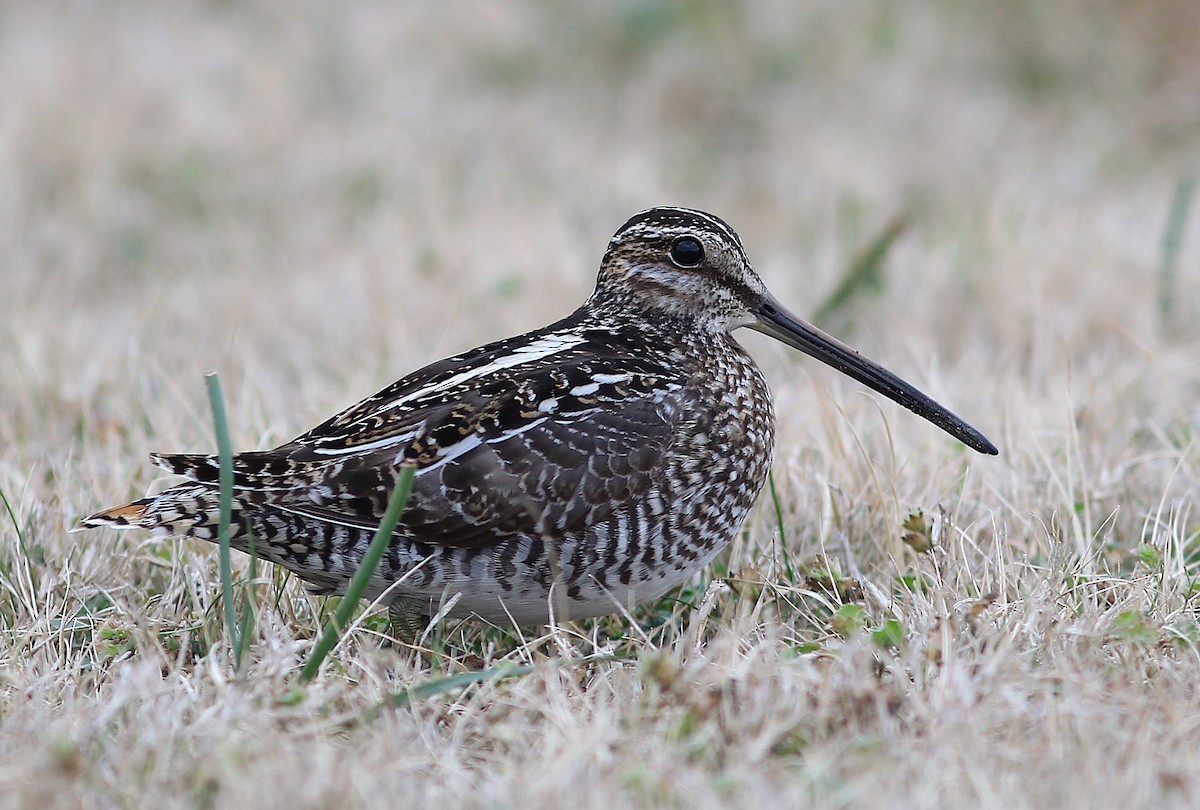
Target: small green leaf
{"x": 1148, "y": 555}
{"x": 848, "y": 620}
{"x": 1135, "y": 626}
{"x": 806, "y": 647}
{"x": 888, "y": 635}
{"x": 294, "y": 697}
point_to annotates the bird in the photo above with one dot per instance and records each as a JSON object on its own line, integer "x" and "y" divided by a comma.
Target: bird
{"x": 574, "y": 471}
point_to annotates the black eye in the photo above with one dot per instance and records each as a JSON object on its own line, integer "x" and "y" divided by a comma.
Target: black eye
{"x": 687, "y": 252}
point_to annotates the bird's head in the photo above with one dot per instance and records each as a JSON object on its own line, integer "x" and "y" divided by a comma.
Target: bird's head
{"x": 684, "y": 265}
{"x": 689, "y": 268}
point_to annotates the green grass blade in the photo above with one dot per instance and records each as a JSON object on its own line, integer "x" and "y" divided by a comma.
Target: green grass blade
{"x": 783, "y": 545}
{"x": 1172, "y": 241}
{"x": 16, "y": 523}
{"x": 225, "y": 503}
{"x": 246, "y": 631}
{"x": 366, "y": 570}
{"x": 437, "y": 686}
{"x": 864, "y": 274}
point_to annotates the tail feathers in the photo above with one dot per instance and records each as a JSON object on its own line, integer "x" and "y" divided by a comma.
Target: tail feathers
{"x": 122, "y": 517}
{"x": 319, "y": 551}
{"x": 186, "y": 509}
{"x": 260, "y": 471}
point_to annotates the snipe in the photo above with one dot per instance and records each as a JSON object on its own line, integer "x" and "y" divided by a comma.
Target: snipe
{"x": 586, "y": 466}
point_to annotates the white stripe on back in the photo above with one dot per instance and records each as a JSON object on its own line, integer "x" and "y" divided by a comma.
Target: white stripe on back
{"x": 386, "y": 441}
{"x": 532, "y": 352}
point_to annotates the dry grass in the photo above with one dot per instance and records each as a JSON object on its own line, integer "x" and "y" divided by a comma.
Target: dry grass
{"x": 313, "y": 201}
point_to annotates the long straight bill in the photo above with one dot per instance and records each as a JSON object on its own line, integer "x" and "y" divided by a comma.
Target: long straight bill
{"x": 782, "y": 325}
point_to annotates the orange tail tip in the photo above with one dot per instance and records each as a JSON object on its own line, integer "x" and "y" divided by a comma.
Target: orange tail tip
{"x": 128, "y": 515}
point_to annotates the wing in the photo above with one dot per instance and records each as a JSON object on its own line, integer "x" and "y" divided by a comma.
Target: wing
{"x": 541, "y": 435}
{"x": 535, "y": 458}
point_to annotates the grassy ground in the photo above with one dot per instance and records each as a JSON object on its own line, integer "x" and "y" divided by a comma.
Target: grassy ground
{"x": 313, "y": 201}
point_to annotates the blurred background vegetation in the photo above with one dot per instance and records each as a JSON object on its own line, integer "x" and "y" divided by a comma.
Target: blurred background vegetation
{"x": 313, "y": 198}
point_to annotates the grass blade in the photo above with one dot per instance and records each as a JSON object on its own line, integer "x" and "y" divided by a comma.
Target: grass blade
{"x": 1172, "y": 240}
{"x": 366, "y": 569}
{"x": 863, "y": 275}
{"x": 246, "y": 630}
{"x": 225, "y": 503}
{"x": 783, "y": 544}
{"x": 16, "y": 524}
{"x": 436, "y": 686}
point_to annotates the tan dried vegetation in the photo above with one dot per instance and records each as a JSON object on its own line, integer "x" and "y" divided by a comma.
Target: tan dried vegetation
{"x": 314, "y": 199}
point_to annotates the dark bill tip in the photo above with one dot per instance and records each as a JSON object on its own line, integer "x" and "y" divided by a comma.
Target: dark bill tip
{"x": 785, "y": 327}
